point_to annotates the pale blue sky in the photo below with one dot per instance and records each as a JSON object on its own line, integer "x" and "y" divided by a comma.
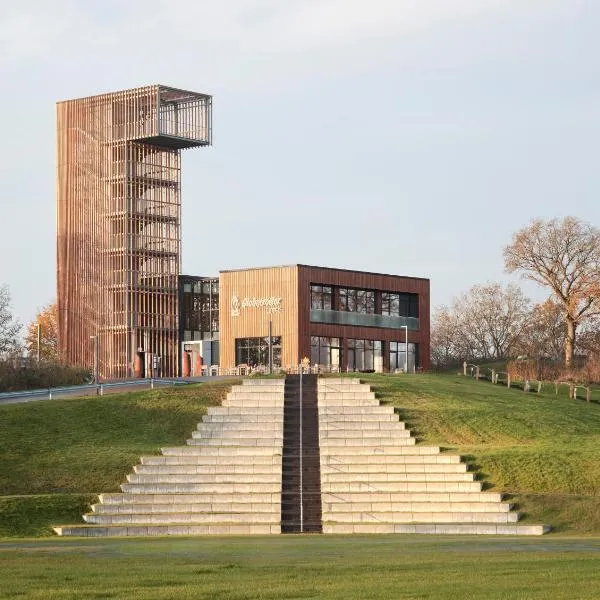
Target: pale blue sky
{"x": 401, "y": 136}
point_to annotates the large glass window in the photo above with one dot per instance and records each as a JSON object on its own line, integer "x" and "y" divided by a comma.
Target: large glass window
{"x": 255, "y": 351}
{"x": 365, "y": 355}
{"x": 326, "y": 352}
{"x": 398, "y": 358}
{"x": 200, "y": 309}
{"x": 400, "y": 305}
{"x": 360, "y": 301}
{"x": 321, "y": 297}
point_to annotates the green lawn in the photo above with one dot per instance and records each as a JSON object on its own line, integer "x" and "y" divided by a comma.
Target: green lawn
{"x": 332, "y": 567}
{"x": 56, "y": 455}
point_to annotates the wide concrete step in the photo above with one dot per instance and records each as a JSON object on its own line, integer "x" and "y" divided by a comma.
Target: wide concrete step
{"x": 182, "y": 517}
{"x": 258, "y": 389}
{"x": 328, "y": 442}
{"x": 190, "y": 498}
{"x": 225, "y": 442}
{"x": 401, "y": 486}
{"x": 222, "y": 427}
{"x": 336, "y": 477}
{"x": 343, "y": 387}
{"x": 345, "y": 402}
{"x": 406, "y": 497}
{"x": 275, "y": 381}
{"x": 437, "y": 528}
{"x": 253, "y": 403}
{"x": 385, "y": 435}
{"x": 355, "y": 470}
{"x": 194, "y": 449}
{"x": 382, "y": 450}
{"x": 327, "y": 397}
{"x": 374, "y": 409}
{"x": 254, "y": 394}
{"x": 357, "y": 459}
{"x": 422, "y": 517}
{"x": 162, "y": 530}
{"x": 237, "y": 470}
{"x": 200, "y": 488}
{"x": 205, "y": 478}
{"x": 197, "y": 507}
{"x": 361, "y": 422}
{"x": 243, "y": 417}
{"x": 413, "y": 507}
{"x": 212, "y": 460}
{"x": 354, "y": 461}
{"x": 254, "y": 411}
{"x": 265, "y": 433}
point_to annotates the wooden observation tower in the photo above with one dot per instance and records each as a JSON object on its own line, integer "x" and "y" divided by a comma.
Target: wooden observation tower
{"x": 118, "y": 226}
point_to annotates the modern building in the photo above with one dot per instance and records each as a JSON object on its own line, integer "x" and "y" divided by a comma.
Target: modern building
{"x": 123, "y": 306}
{"x": 118, "y": 225}
{"x": 279, "y": 316}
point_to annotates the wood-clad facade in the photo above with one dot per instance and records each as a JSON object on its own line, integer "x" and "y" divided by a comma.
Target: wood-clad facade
{"x": 250, "y": 298}
{"x": 118, "y": 225}
{"x": 243, "y": 315}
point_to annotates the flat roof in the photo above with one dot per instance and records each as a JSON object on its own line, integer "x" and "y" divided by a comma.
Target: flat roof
{"x": 324, "y": 269}
{"x": 173, "y": 92}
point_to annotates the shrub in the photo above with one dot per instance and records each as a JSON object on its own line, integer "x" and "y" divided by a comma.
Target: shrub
{"x": 15, "y": 377}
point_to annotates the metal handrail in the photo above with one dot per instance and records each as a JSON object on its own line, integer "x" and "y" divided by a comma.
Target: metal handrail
{"x": 99, "y": 387}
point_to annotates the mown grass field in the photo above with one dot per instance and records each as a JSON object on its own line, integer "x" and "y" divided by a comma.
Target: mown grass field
{"x": 541, "y": 449}
{"x": 280, "y": 567}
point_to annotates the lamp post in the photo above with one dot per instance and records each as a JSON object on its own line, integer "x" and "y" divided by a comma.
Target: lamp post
{"x": 39, "y": 342}
{"x": 405, "y": 327}
{"x": 270, "y": 346}
{"x": 96, "y": 366}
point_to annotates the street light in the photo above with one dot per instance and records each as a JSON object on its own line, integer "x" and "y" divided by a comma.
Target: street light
{"x": 39, "y": 341}
{"x": 405, "y": 327}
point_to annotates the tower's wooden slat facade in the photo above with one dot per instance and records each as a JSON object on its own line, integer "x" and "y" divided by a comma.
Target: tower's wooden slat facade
{"x": 118, "y": 224}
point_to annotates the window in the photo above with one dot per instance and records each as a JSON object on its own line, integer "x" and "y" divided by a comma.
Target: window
{"x": 326, "y": 352}
{"x": 365, "y": 355}
{"x": 255, "y": 351}
{"x": 199, "y": 308}
{"x": 360, "y": 301}
{"x": 398, "y": 358}
{"x": 321, "y": 297}
{"x": 400, "y": 305}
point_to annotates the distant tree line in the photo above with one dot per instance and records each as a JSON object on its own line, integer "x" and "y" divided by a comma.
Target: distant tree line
{"x": 19, "y": 365}
{"x": 496, "y": 322}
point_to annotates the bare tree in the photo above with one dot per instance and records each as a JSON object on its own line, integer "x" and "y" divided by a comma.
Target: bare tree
{"x": 445, "y": 338}
{"x": 544, "y": 335}
{"x": 563, "y": 255}
{"x": 9, "y": 328}
{"x": 484, "y": 323}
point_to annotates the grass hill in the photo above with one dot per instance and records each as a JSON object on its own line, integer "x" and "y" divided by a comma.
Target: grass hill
{"x": 542, "y": 449}
{"x": 57, "y": 455}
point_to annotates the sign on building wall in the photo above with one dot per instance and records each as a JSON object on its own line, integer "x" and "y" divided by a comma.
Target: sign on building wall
{"x": 270, "y": 304}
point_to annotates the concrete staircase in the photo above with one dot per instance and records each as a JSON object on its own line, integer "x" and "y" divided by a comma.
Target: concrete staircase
{"x": 375, "y": 479}
{"x": 227, "y": 480}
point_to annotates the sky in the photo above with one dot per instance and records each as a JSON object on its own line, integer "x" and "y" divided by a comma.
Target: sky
{"x": 411, "y": 137}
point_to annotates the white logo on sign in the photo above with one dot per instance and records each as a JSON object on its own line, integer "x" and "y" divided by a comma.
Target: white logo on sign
{"x": 271, "y": 304}
{"x": 235, "y": 306}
